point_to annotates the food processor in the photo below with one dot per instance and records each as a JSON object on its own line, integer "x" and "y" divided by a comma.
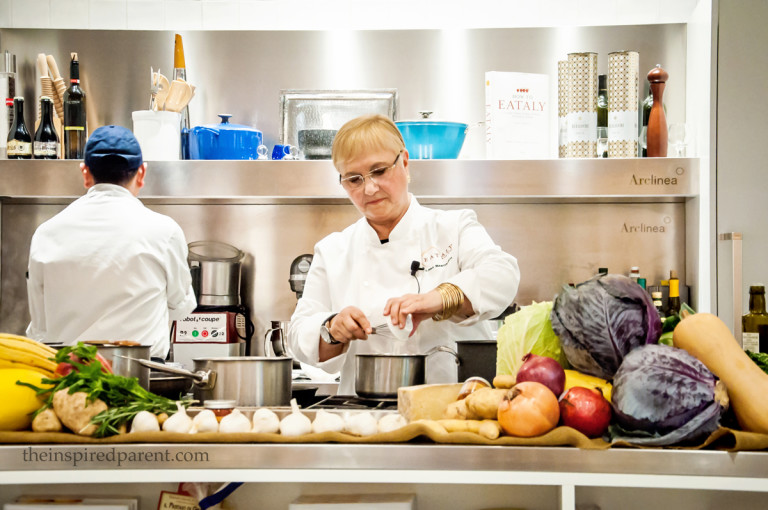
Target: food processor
{"x": 220, "y": 326}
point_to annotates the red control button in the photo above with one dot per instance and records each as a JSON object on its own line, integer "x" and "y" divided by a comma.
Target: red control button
{"x": 205, "y": 333}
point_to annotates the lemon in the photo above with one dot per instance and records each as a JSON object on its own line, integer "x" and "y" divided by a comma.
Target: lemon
{"x": 17, "y": 403}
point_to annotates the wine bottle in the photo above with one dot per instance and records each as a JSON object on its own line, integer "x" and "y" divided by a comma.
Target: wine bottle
{"x": 75, "y": 132}
{"x": 751, "y": 322}
{"x": 46, "y": 145}
{"x": 19, "y": 139}
{"x": 602, "y": 116}
{"x": 673, "y": 304}
{"x": 645, "y": 112}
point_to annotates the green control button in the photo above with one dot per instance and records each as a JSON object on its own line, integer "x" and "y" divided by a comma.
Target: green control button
{"x": 195, "y": 334}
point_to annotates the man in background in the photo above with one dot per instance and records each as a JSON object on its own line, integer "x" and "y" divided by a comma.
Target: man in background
{"x": 106, "y": 267}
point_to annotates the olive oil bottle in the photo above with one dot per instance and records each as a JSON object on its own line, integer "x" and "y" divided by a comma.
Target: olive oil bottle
{"x": 751, "y": 322}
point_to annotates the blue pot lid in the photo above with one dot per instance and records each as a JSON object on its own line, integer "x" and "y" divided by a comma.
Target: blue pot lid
{"x": 225, "y": 125}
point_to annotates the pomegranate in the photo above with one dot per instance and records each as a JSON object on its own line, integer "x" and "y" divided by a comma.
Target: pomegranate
{"x": 529, "y": 409}
{"x": 544, "y": 370}
{"x": 586, "y": 410}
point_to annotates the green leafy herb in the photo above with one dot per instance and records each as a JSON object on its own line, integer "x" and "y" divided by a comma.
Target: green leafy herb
{"x": 760, "y": 359}
{"x": 123, "y": 395}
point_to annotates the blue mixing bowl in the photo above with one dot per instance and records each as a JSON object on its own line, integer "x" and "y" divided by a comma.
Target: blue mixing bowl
{"x": 427, "y": 139}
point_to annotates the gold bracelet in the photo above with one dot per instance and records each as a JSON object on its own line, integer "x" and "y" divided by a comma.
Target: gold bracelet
{"x": 453, "y": 299}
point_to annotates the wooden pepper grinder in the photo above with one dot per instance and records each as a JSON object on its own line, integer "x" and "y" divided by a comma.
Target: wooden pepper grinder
{"x": 657, "y": 121}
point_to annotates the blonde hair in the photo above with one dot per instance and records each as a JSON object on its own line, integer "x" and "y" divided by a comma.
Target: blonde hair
{"x": 365, "y": 134}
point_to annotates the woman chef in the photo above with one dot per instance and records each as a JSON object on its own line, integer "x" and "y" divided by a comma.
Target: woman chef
{"x": 400, "y": 263}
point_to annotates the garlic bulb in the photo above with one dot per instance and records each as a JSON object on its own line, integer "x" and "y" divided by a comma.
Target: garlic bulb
{"x": 144, "y": 421}
{"x": 234, "y": 422}
{"x": 327, "y": 422}
{"x": 295, "y": 424}
{"x": 361, "y": 424}
{"x": 179, "y": 422}
{"x": 205, "y": 421}
{"x": 265, "y": 421}
{"x": 391, "y": 422}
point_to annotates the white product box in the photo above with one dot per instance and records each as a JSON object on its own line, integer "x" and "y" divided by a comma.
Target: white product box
{"x": 517, "y": 115}
{"x": 354, "y": 502}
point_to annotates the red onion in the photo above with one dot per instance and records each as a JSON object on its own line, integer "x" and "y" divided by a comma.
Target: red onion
{"x": 543, "y": 370}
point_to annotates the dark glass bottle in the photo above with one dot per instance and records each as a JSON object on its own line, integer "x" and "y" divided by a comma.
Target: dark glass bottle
{"x": 645, "y": 109}
{"x": 673, "y": 304}
{"x": 19, "y": 139}
{"x": 602, "y": 116}
{"x": 751, "y": 323}
{"x": 75, "y": 130}
{"x": 46, "y": 145}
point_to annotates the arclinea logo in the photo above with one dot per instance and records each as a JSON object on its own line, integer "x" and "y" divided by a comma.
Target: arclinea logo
{"x": 642, "y": 228}
{"x": 653, "y": 180}
{"x": 646, "y": 228}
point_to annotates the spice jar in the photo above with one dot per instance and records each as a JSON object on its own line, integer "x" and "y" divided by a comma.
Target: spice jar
{"x": 220, "y": 408}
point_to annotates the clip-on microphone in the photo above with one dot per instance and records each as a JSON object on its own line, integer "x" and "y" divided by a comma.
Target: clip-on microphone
{"x": 415, "y": 266}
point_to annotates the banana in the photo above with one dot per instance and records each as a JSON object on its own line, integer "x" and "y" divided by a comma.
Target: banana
{"x": 21, "y": 346}
{"x": 10, "y": 336}
{"x": 10, "y": 354}
{"x": 24, "y": 366}
{"x": 575, "y": 378}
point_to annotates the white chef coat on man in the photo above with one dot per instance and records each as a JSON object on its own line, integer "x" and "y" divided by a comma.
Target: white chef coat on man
{"x": 361, "y": 277}
{"x": 106, "y": 267}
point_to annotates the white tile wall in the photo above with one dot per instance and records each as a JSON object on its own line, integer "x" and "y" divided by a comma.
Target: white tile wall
{"x": 183, "y": 15}
{"x": 107, "y": 14}
{"x": 221, "y": 15}
{"x": 31, "y": 13}
{"x": 5, "y": 14}
{"x": 69, "y": 13}
{"x": 145, "y": 15}
{"x": 174, "y": 15}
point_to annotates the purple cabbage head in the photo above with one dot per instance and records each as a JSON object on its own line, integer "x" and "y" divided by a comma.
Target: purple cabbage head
{"x": 662, "y": 395}
{"x": 601, "y": 320}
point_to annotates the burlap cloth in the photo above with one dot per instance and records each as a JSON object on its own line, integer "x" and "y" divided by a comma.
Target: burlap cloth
{"x": 723, "y": 438}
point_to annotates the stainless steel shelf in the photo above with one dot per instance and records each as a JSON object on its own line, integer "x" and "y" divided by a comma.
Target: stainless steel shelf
{"x": 651, "y": 179}
{"x": 561, "y": 461}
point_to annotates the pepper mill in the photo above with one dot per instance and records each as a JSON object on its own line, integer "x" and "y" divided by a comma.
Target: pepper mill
{"x": 657, "y": 121}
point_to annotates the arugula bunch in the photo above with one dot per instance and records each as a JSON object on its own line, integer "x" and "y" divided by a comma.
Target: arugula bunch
{"x": 124, "y": 397}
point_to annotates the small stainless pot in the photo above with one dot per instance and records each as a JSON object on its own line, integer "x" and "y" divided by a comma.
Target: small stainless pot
{"x": 120, "y": 356}
{"x": 251, "y": 381}
{"x": 378, "y": 376}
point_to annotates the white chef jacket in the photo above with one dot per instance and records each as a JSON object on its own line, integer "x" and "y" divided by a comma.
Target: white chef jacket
{"x": 108, "y": 268}
{"x": 352, "y": 267}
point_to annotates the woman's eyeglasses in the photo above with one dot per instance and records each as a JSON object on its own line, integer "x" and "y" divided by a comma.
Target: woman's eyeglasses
{"x": 356, "y": 181}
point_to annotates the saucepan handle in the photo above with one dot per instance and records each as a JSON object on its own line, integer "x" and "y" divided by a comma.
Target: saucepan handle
{"x": 443, "y": 348}
{"x": 202, "y": 379}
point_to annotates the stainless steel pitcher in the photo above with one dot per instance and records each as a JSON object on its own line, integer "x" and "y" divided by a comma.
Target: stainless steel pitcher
{"x": 275, "y": 339}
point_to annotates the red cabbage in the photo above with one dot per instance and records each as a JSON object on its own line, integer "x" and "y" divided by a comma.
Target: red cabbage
{"x": 662, "y": 396}
{"x": 599, "y": 321}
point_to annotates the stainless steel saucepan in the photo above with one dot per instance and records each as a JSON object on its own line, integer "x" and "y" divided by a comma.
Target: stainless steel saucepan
{"x": 252, "y": 381}
{"x": 378, "y": 376}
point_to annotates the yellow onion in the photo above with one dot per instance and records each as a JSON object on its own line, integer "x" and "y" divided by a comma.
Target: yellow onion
{"x": 529, "y": 409}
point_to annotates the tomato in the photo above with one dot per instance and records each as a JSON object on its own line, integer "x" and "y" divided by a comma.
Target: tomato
{"x": 106, "y": 366}
{"x": 64, "y": 367}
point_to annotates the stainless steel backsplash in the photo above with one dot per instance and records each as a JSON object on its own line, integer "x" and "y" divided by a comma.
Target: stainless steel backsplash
{"x": 242, "y": 73}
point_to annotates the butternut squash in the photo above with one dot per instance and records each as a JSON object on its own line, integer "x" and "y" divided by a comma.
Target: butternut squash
{"x": 709, "y": 340}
